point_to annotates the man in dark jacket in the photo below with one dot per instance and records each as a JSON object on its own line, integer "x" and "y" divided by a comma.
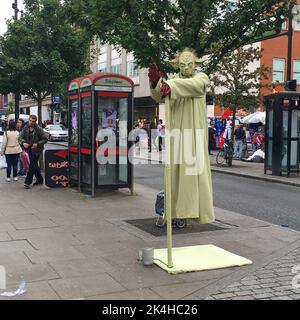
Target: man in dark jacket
{"x": 240, "y": 136}
{"x": 33, "y": 138}
{"x": 211, "y": 137}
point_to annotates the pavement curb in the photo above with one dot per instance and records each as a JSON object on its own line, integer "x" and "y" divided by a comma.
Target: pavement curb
{"x": 244, "y": 175}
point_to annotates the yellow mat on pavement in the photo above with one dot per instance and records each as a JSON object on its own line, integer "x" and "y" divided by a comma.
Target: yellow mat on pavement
{"x": 198, "y": 258}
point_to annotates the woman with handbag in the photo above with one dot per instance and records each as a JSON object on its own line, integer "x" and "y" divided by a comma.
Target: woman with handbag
{"x": 11, "y": 149}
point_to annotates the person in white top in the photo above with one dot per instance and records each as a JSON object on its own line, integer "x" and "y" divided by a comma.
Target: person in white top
{"x": 228, "y": 131}
{"x": 161, "y": 134}
{"x": 227, "y": 136}
{"x": 11, "y": 149}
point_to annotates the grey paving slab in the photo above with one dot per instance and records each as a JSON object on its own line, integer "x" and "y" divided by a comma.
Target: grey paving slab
{"x": 72, "y": 220}
{"x": 90, "y": 234}
{"x": 6, "y": 226}
{"x": 239, "y": 220}
{"x": 81, "y": 267}
{"x": 46, "y": 237}
{"x": 15, "y": 245}
{"x": 124, "y": 259}
{"x": 81, "y": 287}
{"x": 19, "y": 217}
{"x": 34, "y": 224}
{"x": 8, "y": 209}
{"x": 29, "y": 273}
{"x": 53, "y": 254}
{"x": 40, "y": 290}
{"x": 4, "y": 236}
{"x": 137, "y": 276}
{"x": 258, "y": 240}
{"x": 8, "y": 259}
{"x": 104, "y": 251}
{"x": 43, "y": 243}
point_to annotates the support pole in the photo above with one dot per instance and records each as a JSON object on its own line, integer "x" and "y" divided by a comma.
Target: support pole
{"x": 16, "y": 93}
{"x": 290, "y": 44}
{"x": 168, "y": 200}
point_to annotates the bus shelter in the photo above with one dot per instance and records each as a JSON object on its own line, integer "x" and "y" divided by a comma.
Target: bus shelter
{"x": 100, "y": 120}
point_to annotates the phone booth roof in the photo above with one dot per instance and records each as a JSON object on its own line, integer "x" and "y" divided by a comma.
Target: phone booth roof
{"x": 108, "y": 80}
{"x": 75, "y": 84}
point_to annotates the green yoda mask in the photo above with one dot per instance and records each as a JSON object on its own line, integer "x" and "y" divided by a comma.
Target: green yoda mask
{"x": 187, "y": 62}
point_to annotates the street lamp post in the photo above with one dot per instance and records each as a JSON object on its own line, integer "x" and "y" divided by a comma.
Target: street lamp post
{"x": 17, "y": 93}
{"x": 290, "y": 45}
{"x": 290, "y": 84}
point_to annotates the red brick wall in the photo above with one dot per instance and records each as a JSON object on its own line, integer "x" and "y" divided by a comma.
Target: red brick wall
{"x": 277, "y": 48}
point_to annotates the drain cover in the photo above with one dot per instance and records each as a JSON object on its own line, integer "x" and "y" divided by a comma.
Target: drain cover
{"x": 149, "y": 226}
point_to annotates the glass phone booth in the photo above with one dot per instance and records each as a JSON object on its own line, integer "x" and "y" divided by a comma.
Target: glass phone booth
{"x": 282, "y": 148}
{"x": 99, "y": 124}
{"x": 73, "y": 122}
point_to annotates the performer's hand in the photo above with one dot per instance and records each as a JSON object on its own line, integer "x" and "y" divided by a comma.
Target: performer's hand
{"x": 26, "y": 145}
{"x": 154, "y": 74}
{"x": 165, "y": 90}
{"x": 34, "y": 146}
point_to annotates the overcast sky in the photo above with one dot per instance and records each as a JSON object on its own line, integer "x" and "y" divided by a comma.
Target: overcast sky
{"x": 6, "y": 12}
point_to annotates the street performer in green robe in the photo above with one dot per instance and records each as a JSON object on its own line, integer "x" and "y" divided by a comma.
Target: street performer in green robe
{"x": 187, "y": 182}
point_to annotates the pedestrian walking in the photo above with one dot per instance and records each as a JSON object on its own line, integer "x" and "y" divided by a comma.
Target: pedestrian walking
{"x": 211, "y": 137}
{"x": 33, "y": 139}
{"x": 22, "y": 171}
{"x": 11, "y": 149}
{"x": 161, "y": 134}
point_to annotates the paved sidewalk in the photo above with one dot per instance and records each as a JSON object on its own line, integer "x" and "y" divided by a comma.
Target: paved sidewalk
{"x": 65, "y": 245}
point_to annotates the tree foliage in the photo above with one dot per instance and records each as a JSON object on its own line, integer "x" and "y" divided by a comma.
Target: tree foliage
{"x": 157, "y": 30}
{"x": 236, "y": 84}
{"x": 41, "y": 50}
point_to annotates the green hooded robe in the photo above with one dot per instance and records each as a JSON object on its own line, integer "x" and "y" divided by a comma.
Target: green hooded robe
{"x": 190, "y": 185}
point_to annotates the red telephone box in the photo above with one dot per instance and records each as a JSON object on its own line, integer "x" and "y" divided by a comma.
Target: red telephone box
{"x": 100, "y": 119}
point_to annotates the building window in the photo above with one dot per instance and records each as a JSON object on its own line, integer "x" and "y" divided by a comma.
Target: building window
{"x": 102, "y": 59}
{"x": 297, "y": 20}
{"x": 284, "y": 25}
{"x": 132, "y": 69}
{"x": 296, "y": 69}
{"x": 116, "y": 60}
{"x": 278, "y": 70}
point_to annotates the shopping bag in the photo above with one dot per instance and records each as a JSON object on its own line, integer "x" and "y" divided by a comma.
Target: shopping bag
{"x": 3, "y": 164}
{"x": 24, "y": 156}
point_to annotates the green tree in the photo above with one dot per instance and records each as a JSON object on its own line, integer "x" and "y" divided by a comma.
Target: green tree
{"x": 156, "y": 30}
{"x": 41, "y": 51}
{"x": 11, "y": 107}
{"x": 236, "y": 84}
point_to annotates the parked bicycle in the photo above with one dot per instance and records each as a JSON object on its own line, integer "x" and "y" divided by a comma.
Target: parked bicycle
{"x": 224, "y": 153}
